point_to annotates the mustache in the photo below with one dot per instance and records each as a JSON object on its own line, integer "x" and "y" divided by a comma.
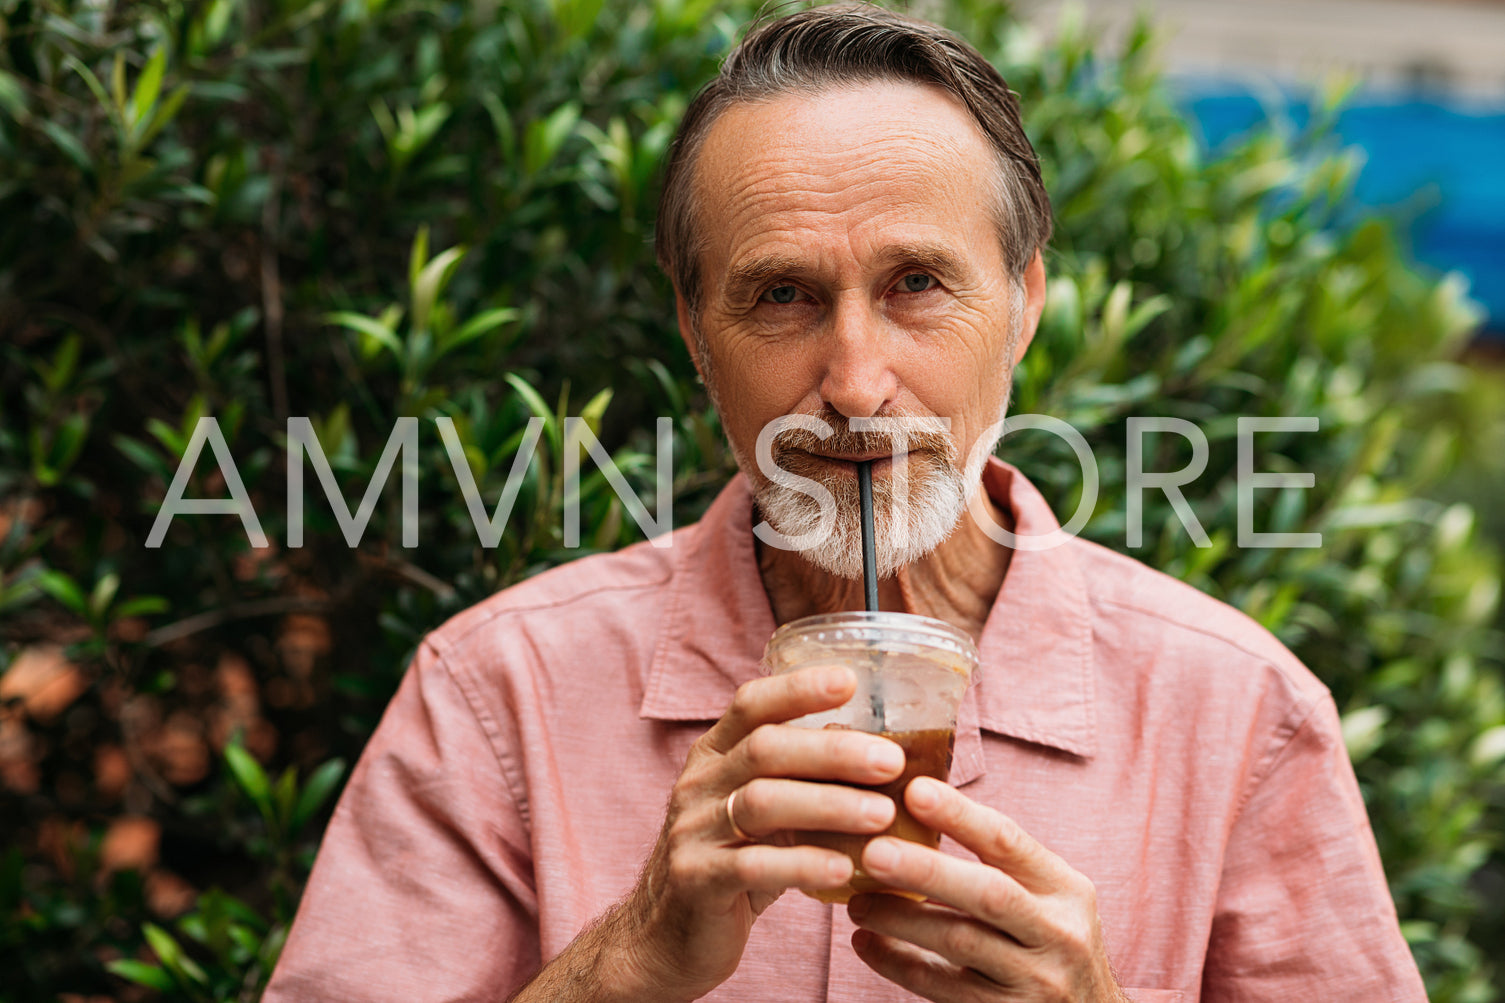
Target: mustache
{"x": 924, "y": 435}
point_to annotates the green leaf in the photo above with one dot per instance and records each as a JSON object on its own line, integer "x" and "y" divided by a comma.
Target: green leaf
{"x": 173, "y": 956}
{"x": 215, "y": 22}
{"x": 1116, "y": 315}
{"x": 160, "y": 117}
{"x": 321, "y": 783}
{"x": 72, "y": 148}
{"x": 1364, "y": 730}
{"x": 197, "y": 408}
{"x": 168, "y": 436}
{"x": 333, "y": 430}
{"x": 17, "y": 594}
{"x": 576, "y": 17}
{"x": 384, "y": 120}
{"x": 377, "y": 334}
{"x": 1063, "y": 305}
{"x": 13, "y": 97}
{"x": 667, "y": 384}
{"x": 143, "y": 974}
{"x": 148, "y": 86}
{"x": 247, "y": 940}
{"x": 251, "y": 778}
{"x": 142, "y": 606}
{"x": 69, "y": 442}
{"x": 103, "y": 595}
{"x": 141, "y": 455}
{"x": 544, "y": 138}
{"x": 430, "y": 283}
{"x": 56, "y": 377}
{"x": 425, "y": 123}
{"x": 88, "y": 77}
{"x": 418, "y": 255}
{"x": 477, "y": 326}
{"x": 1488, "y": 750}
{"x": 117, "y": 100}
{"x": 284, "y": 796}
{"x": 501, "y": 125}
{"x": 594, "y": 411}
{"x": 536, "y": 405}
{"x": 1145, "y": 312}
{"x": 195, "y": 926}
{"x": 65, "y": 590}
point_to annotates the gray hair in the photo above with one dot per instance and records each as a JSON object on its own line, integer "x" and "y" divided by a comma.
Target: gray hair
{"x": 823, "y": 47}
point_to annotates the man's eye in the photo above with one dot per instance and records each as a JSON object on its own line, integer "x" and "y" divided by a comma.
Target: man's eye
{"x": 916, "y": 282}
{"x": 782, "y": 294}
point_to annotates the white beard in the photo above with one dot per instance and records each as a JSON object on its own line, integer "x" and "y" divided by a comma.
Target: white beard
{"x": 915, "y": 508}
{"x": 904, "y": 529}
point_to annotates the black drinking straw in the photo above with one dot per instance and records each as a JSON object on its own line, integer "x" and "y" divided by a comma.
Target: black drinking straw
{"x": 869, "y": 555}
{"x": 870, "y": 573}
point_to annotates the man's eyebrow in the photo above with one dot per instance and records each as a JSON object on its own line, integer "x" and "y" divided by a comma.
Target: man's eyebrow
{"x": 747, "y": 277}
{"x": 937, "y": 258}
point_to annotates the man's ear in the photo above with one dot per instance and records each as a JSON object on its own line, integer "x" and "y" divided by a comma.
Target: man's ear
{"x": 1034, "y": 303}
{"x": 687, "y": 331}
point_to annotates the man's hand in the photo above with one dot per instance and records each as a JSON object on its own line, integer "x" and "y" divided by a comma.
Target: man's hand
{"x": 1020, "y": 925}
{"x": 682, "y": 930}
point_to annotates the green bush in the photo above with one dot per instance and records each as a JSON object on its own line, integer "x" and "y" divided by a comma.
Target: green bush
{"x": 361, "y": 210}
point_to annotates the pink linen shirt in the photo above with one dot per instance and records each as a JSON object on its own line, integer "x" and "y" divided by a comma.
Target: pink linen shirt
{"x": 1161, "y": 742}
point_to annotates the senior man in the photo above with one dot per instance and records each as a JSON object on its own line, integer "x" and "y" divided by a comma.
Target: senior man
{"x": 1150, "y": 798}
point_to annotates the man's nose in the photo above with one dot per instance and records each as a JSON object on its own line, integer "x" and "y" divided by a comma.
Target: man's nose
{"x": 858, "y": 378}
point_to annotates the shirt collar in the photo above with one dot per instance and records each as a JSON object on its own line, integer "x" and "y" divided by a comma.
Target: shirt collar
{"x": 1036, "y": 683}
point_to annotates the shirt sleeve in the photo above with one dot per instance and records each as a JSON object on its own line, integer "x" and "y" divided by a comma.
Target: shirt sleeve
{"x": 1303, "y": 910}
{"x": 423, "y": 887}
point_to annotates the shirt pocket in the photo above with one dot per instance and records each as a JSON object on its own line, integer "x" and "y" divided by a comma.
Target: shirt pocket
{"x": 1155, "y": 995}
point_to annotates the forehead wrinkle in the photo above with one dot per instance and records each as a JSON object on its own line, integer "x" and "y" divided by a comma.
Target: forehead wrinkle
{"x": 915, "y": 162}
{"x": 786, "y": 172}
{"x": 889, "y": 172}
{"x": 815, "y": 126}
{"x": 904, "y": 197}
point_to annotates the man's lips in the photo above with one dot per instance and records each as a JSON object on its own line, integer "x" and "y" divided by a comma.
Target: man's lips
{"x": 856, "y": 457}
{"x": 846, "y": 462}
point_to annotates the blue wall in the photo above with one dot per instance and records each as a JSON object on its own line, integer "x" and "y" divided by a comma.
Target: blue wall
{"x": 1439, "y": 164}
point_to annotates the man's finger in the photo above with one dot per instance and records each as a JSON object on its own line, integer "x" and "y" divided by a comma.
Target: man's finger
{"x": 773, "y": 869}
{"x": 976, "y": 889}
{"x": 774, "y": 699}
{"x": 765, "y": 806}
{"x": 925, "y": 974}
{"x": 775, "y": 750}
{"x": 995, "y": 838}
{"x": 960, "y": 939}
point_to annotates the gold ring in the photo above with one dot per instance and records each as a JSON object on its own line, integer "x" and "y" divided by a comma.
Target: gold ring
{"x": 731, "y": 817}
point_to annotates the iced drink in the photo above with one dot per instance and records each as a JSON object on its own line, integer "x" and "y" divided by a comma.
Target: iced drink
{"x": 911, "y": 674}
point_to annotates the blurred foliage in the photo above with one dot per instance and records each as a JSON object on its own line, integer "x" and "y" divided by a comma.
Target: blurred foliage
{"x": 357, "y": 210}
{"x": 1241, "y": 288}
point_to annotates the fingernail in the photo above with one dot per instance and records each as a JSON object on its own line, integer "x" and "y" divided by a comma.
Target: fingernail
{"x": 922, "y": 793}
{"x": 877, "y": 812}
{"x": 880, "y": 855}
{"x": 839, "y": 869}
{"x": 885, "y": 756}
{"x": 835, "y": 680}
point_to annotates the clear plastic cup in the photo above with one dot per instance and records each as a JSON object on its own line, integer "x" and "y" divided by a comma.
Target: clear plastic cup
{"x": 911, "y": 674}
